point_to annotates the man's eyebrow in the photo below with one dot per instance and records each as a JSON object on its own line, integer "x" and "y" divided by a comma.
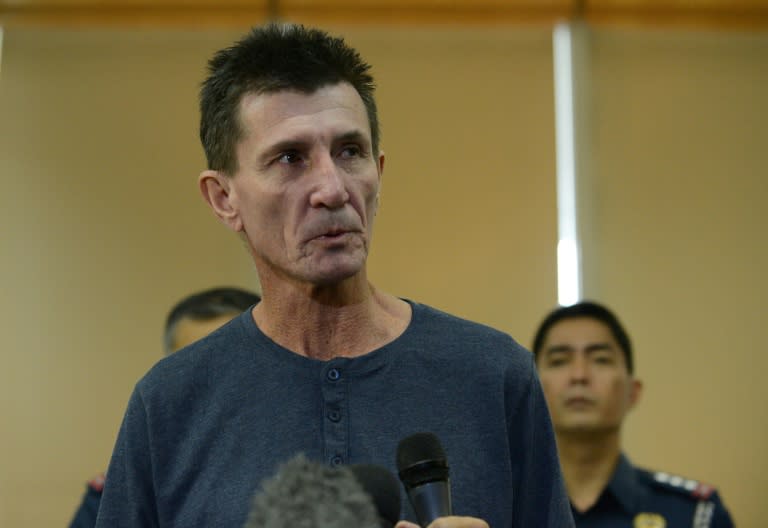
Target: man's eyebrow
{"x": 355, "y": 136}
{"x": 358, "y": 136}
{"x": 285, "y": 145}
{"x": 600, "y": 347}
{"x": 555, "y": 349}
{"x": 299, "y": 143}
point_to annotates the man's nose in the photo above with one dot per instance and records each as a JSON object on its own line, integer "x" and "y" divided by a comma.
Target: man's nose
{"x": 330, "y": 189}
{"x": 579, "y": 370}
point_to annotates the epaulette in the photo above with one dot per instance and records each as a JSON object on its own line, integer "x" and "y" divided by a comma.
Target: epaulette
{"x": 97, "y": 482}
{"x": 694, "y": 489}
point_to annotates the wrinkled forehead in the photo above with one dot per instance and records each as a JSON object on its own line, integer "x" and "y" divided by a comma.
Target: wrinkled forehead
{"x": 289, "y": 115}
{"x": 268, "y": 107}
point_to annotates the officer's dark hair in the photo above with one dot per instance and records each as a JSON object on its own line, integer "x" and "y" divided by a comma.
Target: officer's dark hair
{"x": 591, "y": 310}
{"x": 204, "y": 305}
{"x": 274, "y": 58}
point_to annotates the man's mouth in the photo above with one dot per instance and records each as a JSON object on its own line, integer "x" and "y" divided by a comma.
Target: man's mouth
{"x": 579, "y": 402}
{"x": 334, "y": 234}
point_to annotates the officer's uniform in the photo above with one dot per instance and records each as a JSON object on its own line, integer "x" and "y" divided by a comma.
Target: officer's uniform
{"x": 635, "y": 498}
{"x": 85, "y": 516}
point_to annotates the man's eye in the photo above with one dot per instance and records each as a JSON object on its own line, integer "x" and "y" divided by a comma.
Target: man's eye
{"x": 556, "y": 361}
{"x": 603, "y": 360}
{"x": 289, "y": 157}
{"x": 351, "y": 151}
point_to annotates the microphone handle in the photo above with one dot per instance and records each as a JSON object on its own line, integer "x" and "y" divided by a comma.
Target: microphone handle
{"x": 430, "y": 501}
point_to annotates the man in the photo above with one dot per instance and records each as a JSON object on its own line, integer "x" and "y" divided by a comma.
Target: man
{"x": 326, "y": 364}
{"x": 189, "y": 320}
{"x": 584, "y": 358}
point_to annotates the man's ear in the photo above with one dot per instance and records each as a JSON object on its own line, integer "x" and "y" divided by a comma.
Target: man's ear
{"x": 635, "y": 391}
{"x": 381, "y": 164}
{"x": 216, "y": 188}
{"x": 381, "y": 174}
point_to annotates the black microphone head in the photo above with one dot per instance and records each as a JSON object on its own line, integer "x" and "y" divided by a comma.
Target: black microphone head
{"x": 384, "y": 489}
{"x": 421, "y": 459}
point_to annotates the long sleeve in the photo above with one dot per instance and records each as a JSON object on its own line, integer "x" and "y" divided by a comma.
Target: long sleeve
{"x": 129, "y": 497}
{"x": 540, "y": 498}
{"x": 85, "y": 516}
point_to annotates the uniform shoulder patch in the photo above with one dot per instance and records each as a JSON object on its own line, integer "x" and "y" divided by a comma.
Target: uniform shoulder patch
{"x": 693, "y": 488}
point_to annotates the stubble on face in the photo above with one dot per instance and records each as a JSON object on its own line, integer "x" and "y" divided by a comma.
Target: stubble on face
{"x": 307, "y": 185}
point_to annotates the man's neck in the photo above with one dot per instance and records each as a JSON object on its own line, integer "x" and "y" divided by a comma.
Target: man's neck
{"x": 345, "y": 320}
{"x": 588, "y": 461}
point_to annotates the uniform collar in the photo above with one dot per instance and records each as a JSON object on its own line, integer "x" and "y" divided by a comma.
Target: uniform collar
{"x": 625, "y": 485}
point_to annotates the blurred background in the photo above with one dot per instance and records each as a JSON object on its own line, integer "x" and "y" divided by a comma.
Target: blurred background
{"x": 102, "y": 227}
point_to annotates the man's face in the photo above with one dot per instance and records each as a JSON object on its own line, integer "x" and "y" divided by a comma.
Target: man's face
{"x": 585, "y": 378}
{"x": 306, "y": 190}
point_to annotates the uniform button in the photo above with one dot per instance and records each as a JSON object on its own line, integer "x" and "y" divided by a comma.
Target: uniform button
{"x": 333, "y": 374}
{"x": 334, "y": 416}
{"x": 337, "y": 460}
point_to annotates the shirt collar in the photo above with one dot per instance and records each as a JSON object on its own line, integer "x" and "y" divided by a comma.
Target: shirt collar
{"x": 625, "y": 486}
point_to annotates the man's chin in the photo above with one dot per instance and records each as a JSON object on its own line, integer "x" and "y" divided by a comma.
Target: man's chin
{"x": 334, "y": 274}
{"x": 584, "y": 429}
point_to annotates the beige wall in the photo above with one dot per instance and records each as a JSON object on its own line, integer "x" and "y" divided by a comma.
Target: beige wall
{"x": 102, "y": 226}
{"x": 680, "y": 138}
{"x": 468, "y": 216}
{"x": 102, "y": 230}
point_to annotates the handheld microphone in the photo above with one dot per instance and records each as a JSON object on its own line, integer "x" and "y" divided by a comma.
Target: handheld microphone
{"x": 423, "y": 470}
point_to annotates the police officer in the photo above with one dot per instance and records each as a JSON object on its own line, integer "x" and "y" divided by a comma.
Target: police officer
{"x": 190, "y": 319}
{"x": 584, "y": 359}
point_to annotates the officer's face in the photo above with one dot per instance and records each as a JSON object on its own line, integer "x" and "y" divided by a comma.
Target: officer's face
{"x": 585, "y": 378}
{"x": 189, "y": 330}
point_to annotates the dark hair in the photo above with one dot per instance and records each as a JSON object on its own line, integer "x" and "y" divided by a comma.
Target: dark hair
{"x": 269, "y": 59}
{"x": 207, "y": 304}
{"x": 591, "y": 310}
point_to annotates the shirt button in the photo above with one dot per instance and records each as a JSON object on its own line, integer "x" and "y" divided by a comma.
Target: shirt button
{"x": 333, "y": 374}
{"x": 337, "y": 460}
{"x": 334, "y": 416}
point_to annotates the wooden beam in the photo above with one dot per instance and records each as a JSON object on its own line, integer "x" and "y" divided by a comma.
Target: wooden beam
{"x": 714, "y": 14}
{"x": 212, "y": 13}
{"x": 463, "y": 13}
{"x": 246, "y": 13}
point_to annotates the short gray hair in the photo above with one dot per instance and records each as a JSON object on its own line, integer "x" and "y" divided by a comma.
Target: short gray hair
{"x": 305, "y": 494}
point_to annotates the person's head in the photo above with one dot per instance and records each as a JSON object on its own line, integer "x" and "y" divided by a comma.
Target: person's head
{"x": 585, "y": 363}
{"x": 199, "y": 314}
{"x": 270, "y": 59}
{"x": 290, "y": 128}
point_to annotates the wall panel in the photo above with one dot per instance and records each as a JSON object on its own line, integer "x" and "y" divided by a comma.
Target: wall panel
{"x": 103, "y": 230}
{"x": 680, "y": 126}
{"x": 233, "y": 13}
